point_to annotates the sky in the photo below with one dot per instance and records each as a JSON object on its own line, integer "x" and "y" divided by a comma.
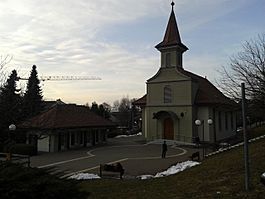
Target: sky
{"x": 115, "y": 39}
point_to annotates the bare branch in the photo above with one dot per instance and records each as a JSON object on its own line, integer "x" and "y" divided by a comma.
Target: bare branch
{"x": 4, "y": 60}
{"x": 247, "y": 66}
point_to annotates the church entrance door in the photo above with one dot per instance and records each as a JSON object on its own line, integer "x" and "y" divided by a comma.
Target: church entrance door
{"x": 168, "y": 129}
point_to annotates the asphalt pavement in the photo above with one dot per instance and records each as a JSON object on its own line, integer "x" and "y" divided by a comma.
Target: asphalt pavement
{"x": 136, "y": 156}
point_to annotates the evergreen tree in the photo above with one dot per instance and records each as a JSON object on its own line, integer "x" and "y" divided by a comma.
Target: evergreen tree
{"x": 101, "y": 109}
{"x": 33, "y": 96}
{"x": 10, "y": 104}
{"x": 94, "y": 108}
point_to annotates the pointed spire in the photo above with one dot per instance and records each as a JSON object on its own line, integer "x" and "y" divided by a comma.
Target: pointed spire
{"x": 172, "y": 4}
{"x": 172, "y": 36}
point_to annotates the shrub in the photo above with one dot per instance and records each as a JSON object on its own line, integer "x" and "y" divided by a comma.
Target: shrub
{"x": 17, "y": 181}
{"x": 1, "y": 147}
{"x": 24, "y": 149}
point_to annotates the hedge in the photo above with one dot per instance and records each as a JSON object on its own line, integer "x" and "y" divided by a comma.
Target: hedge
{"x": 24, "y": 149}
{"x": 17, "y": 181}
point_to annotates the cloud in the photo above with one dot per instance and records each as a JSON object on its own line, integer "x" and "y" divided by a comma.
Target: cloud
{"x": 66, "y": 37}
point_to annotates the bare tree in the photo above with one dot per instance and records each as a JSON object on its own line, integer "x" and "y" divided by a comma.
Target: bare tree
{"x": 247, "y": 66}
{"x": 116, "y": 105}
{"x": 4, "y": 60}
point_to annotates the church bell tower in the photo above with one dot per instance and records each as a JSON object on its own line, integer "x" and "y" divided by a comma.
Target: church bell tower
{"x": 171, "y": 47}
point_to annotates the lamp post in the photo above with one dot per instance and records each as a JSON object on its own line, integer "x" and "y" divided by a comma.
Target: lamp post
{"x": 12, "y": 127}
{"x": 246, "y": 153}
{"x": 199, "y": 123}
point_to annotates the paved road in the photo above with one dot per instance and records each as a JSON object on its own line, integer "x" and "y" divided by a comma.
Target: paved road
{"x": 136, "y": 158}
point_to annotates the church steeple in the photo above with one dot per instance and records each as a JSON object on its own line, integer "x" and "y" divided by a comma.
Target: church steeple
{"x": 171, "y": 43}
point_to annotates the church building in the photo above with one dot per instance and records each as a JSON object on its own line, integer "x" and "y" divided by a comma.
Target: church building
{"x": 176, "y": 98}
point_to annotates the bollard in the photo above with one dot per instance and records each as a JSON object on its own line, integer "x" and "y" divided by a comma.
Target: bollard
{"x": 8, "y": 156}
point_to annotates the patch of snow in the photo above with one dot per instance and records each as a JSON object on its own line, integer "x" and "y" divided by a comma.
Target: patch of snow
{"x": 84, "y": 176}
{"x": 125, "y": 136}
{"x": 171, "y": 170}
{"x": 145, "y": 177}
{"x": 177, "y": 168}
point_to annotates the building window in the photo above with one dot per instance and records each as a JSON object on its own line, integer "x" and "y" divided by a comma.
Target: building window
{"x": 220, "y": 120}
{"x": 168, "y": 60}
{"x": 97, "y": 134}
{"x": 226, "y": 120}
{"x": 81, "y": 137}
{"x": 88, "y": 137}
{"x": 232, "y": 121}
{"x": 72, "y": 139}
{"x": 167, "y": 94}
{"x": 179, "y": 60}
{"x": 62, "y": 137}
{"x": 103, "y": 134}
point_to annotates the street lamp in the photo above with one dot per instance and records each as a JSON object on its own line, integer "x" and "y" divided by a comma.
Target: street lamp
{"x": 210, "y": 121}
{"x": 12, "y": 127}
{"x": 199, "y": 123}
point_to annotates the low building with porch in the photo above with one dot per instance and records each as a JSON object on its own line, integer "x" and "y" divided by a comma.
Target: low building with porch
{"x": 176, "y": 98}
{"x": 66, "y": 126}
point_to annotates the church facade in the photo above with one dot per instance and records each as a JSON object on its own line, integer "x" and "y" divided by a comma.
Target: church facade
{"x": 176, "y": 98}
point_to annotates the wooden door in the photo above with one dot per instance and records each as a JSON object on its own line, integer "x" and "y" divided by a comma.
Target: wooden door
{"x": 168, "y": 129}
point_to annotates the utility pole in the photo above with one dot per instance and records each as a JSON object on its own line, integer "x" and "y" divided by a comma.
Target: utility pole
{"x": 246, "y": 155}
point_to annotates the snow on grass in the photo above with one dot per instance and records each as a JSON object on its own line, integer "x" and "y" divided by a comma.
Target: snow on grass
{"x": 125, "y": 136}
{"x": 145, "y": 177}
{"x": 84, "y": 176}
{"x": 172, "y": 170}
{"x": 177, "y": 168}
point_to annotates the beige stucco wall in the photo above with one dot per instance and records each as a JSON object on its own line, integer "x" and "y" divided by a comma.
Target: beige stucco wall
{"x": 182, "y": 125}
{"x": 181, "y": 88}
{"x": 167, "y": 75}
{"x": 210, "y": 131}
{"x": 183, "y": 92}
{"x": 182, "y": 100}
{"x": 204, "y": 114}
{"x": 223, "y": 132}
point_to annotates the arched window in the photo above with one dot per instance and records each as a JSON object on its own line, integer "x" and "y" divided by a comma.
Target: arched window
{"x": 168, "y": 60}
{"x": 167, "y": 94}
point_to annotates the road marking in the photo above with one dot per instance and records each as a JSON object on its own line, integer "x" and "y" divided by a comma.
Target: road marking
{"x": 109, "y": 147}
{"x": 159, "y": 157}
{"x": 125, "y": 159}
{"x": 113, "y": 162}
{"x": 65, "y": 161}
{"x": 91, "y": 155}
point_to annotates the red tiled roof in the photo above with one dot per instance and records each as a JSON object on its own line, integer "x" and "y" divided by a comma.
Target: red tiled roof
{"x": 66, "y": 116}
{"x": 207, "y": 93}
{"x": 141, "y": 101}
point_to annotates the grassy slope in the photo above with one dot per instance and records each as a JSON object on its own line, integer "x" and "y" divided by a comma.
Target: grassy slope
{"x": 222, "y": 173}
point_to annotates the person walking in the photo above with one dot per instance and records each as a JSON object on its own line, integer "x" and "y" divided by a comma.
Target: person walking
{"x": 164, "y": 149}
